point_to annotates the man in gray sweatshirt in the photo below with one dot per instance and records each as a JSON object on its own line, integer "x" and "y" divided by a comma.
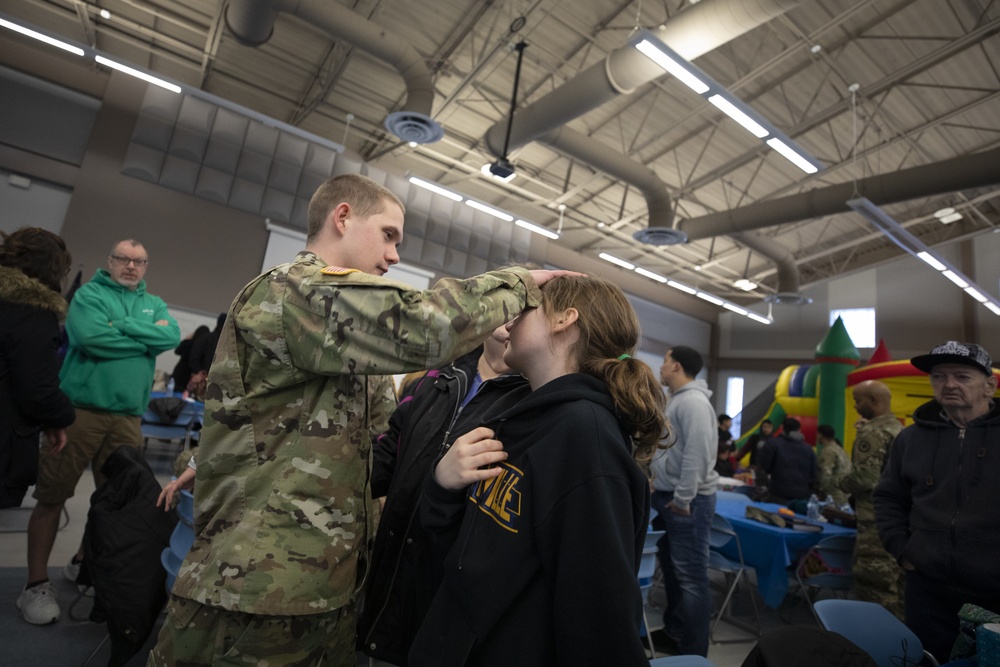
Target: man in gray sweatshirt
{"x": 684, "y": 484}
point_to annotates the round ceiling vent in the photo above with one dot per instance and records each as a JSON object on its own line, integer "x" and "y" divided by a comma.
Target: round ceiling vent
{"x": 413, "y": 126}
{"x": 660, "y": 236}
{"x": 788, "y": 299}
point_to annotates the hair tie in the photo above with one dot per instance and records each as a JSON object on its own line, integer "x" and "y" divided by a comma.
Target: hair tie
{"x": 624, "y": 357}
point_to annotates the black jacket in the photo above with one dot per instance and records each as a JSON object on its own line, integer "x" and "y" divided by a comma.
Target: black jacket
{"x": 544, "y": 568}
{"x": 406, "y": 564}
{"x": 937, "y": 503}
{"x": 122, "y": 542}
{"x": 791, "y": 463}
{"x": 30, "y": 399}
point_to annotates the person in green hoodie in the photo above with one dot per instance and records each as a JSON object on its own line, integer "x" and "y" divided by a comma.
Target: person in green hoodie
{"x": 116, "y": 329}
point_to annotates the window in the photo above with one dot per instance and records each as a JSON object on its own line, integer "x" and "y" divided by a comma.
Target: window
{"x": 734, "y": 404}
{"x": 860, "y": 323}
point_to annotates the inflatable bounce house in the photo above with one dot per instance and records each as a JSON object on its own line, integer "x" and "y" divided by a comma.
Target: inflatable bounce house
{"x": 821, "y": 393}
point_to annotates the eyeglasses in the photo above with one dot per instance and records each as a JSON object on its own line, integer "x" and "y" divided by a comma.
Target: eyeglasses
{"x": 121, "y": 260}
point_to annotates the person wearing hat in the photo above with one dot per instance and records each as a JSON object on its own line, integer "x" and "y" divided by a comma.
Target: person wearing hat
{"x": 936, "y": 504}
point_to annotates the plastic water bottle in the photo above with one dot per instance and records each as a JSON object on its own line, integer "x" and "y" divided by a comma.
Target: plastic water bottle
{"x": 812, "y": 508}
{"x": 170, "y": 386}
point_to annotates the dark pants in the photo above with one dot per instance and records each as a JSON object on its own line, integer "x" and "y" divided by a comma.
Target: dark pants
{"x": 683, "y": 554}
{"x": 931, "y": 608}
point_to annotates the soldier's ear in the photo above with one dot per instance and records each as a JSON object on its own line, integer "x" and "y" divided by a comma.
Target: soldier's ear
{"x": 338, "y": 218}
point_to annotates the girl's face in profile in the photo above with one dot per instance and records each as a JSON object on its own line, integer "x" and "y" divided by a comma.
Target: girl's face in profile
{"x": 529, "y": 340}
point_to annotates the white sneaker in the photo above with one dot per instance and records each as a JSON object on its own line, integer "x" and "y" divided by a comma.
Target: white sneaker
{"x": 72, "y": 570}
{"x": 38, "y": 604}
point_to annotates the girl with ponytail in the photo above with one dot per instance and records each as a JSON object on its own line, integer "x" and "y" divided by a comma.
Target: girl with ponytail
{"x": 547, "y": 503}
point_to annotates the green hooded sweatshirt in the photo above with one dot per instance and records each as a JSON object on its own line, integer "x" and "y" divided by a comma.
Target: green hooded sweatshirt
{"x": 113, "y": 343}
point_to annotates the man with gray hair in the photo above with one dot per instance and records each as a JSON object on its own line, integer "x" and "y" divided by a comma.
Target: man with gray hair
{"x": 936, "y": 502}
{"x": 116, "y": 329}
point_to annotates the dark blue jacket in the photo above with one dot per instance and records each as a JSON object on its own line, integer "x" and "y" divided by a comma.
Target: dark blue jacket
{"x": 406, "y": 564}
{"x": 791, "y": 463}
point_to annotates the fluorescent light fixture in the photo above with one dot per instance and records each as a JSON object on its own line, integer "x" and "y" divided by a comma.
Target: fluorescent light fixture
{"x": 137, "y": 74}
{"x": 931, "y": 260}
{"x": 899, "y": 235}
{"x": 758, "y": 318}
{"x": 485, "y": 169}
{"x": 682, "y": 287}
{"x": 792, "y": 156}
{"x": 948, "y": 219}
{"x": 649, "y": 274}
{"x": 75, "y": 50}
{"x": 656, "y": 54}
{"x": 711, "y": 298}
{"x": 105, "y": 14}
{"x": 734, "y": 112}
{"x": 614, "y": 260}
{"x": 496, "y": 213}
{"x": 745, "y": 284}
{"x": 734, "y": 308}
{"x": 427, "y": 185}
{"x": 976, "y": 294}
{"x": 955, "y": 278}
{"x": 530, "y": 226}
{"x": 944, "y": 212}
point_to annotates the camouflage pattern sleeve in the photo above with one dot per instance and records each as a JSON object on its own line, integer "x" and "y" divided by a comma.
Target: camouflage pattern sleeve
{"x": 869, "y": 454}
{"x": 830, "y": 469}
{"x": 339, "y": 321}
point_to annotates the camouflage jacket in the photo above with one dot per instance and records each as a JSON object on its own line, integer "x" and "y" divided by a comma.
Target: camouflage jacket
{"x": 281, "y": 493}
{"x": 871, "y": 448}
{"x": 833, "y": 464}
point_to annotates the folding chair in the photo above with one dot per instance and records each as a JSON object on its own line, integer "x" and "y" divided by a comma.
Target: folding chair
{"x": 835, "y": 557}
{"x": 647, "y": 568}
{"x": 874, "y": 630}
{"x": 180, "y": 540}
{"x": 721, "y": 534}
{"x": 180, "y": 430}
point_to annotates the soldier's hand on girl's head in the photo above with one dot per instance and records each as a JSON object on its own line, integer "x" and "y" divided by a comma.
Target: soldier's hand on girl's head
{"x": 542, "y": 276}
{"x": 463, "y": 464}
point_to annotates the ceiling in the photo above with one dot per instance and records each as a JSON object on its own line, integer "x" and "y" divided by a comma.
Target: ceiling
{"x": 928, "y": 90}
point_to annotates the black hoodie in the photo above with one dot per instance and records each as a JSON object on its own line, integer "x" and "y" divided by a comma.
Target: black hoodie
{"x": 937, "y": 504}
{"x": 543, "y": 571}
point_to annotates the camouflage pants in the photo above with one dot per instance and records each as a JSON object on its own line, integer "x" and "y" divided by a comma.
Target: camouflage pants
{"x": 877, "y": 576}
{"x": 196, "y": 635}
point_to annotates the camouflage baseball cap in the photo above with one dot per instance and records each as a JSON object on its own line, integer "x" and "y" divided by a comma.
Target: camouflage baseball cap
{"x": 953, "y": 352}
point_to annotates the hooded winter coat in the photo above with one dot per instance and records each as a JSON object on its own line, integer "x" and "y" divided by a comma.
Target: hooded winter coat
{"x": 936, "y": 502}
{"x": 30, "y": 399}
{"x": 407, "y": 564}
{"x": 543, "y": 571}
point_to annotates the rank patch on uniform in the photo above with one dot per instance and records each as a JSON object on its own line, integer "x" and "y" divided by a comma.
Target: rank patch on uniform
{"x": 337, "y": 271}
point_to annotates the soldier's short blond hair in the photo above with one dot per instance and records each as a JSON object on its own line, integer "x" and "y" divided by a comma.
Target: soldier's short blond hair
{"x": 365, "y": 196}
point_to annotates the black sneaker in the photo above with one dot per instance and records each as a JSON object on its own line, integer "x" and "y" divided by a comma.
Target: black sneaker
{"x": 664, "y": 643}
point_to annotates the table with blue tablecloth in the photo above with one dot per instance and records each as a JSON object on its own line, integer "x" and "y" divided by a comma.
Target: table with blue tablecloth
{"x": 770, "y": 550}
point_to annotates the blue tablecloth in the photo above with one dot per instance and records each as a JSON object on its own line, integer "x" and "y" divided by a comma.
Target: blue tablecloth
{"x": 768, "y": 549}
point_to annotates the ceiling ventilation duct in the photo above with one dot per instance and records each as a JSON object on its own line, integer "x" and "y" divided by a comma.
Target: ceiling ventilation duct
{"x": 252, "y": 22}
{"x": 961, "y": 173}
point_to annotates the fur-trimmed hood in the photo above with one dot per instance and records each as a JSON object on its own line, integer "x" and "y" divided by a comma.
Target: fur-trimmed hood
{"x": 17, "y": 288}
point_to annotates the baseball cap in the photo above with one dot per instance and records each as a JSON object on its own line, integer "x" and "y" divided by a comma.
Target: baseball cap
{"x": 954, "y": 352}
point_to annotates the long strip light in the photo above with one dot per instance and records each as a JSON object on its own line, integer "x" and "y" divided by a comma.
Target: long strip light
{"x": 149, "y": 78}
{"x": 899, "y": 235}
{"x": 697, "y": 80}
{"x": 532, "y": 227}
{"x": 433, "y": 187}
{"x": 489, "y": 210}
{"x": 687, "y": 289}
{"x": 75, "y": 50}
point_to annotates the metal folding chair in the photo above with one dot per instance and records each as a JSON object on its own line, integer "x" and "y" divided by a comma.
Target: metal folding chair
{"x": 722, "y": 533}
{"x": 835, "y": 557}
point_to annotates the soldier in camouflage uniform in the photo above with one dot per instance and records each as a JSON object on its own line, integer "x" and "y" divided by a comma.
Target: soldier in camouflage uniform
{"x": 833, "y": 464}
{"x": 879, "y": 578}
{"x": 295, "y": 397}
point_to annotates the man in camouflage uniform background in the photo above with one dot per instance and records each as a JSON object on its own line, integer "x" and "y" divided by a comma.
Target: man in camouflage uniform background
{"x": 832, "y": 463}
{"x": 296, "y": 395}
{"x": 879, "y": 578}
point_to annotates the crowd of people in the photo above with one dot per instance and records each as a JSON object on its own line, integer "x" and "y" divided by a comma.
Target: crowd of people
{"x": 518, "y": 474}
